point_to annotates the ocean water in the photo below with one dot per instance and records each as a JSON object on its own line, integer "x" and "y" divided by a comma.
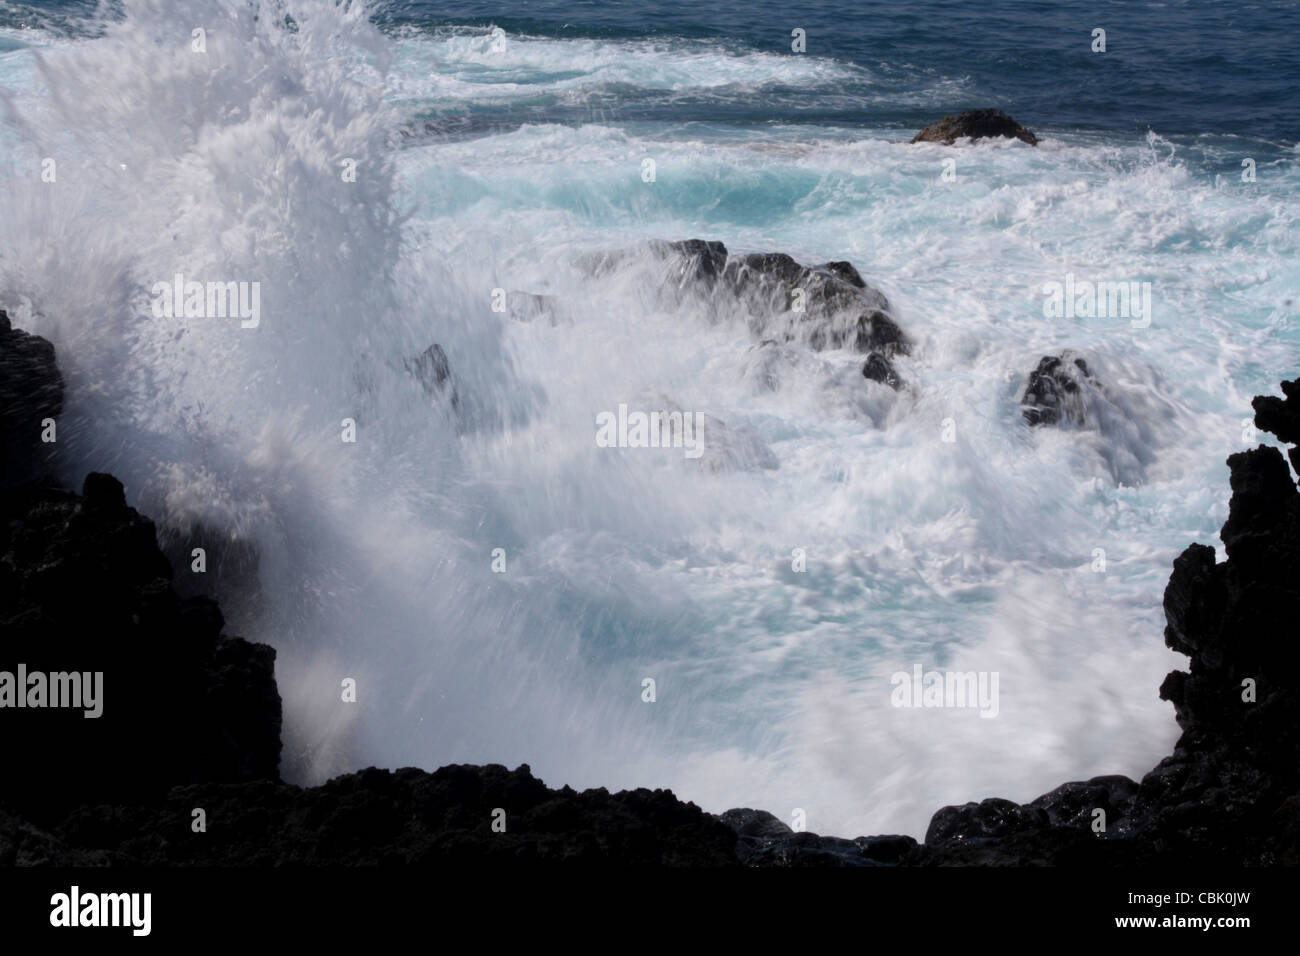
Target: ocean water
{"x": 497, "y": 146}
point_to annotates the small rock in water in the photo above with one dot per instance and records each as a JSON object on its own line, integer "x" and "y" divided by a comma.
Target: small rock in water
{"x": 1056, "y": 390}
{"x": 877, "y": 368}
{"x": 975, "y": 124}
{"x": 527, "y": 306}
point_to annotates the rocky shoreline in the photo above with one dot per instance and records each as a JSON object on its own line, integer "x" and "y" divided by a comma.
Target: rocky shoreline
{"x": 195, "y": 717}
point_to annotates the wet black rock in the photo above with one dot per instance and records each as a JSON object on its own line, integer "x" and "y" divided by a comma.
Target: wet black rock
{"x": 1282, "y": 417}
{"x": 695, "y": 260}
{"x": 85, "y": 589}
{"x": 822, "y": 307}
{"x": 844, "y": 271}
{"x": 31, "y": 392}
{"x": 406, "y": 817}
{"x": 988, "y": 818}
{"x": 877, "y": 368}
{"x": 975, "y": 124}
{"x": 1076, "y": 804}
{"x": 1057, "y": 391}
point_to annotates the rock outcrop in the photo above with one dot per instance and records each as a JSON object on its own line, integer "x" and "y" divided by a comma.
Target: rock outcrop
{"x": 975, "y": 124}
{"x": 433, "y": 371}
{"x": 31, "y": 393}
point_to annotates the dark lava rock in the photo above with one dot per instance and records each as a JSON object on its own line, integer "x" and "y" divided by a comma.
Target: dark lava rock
{"x": 31, "y": 390}
{"x": 431, "y": 368}
{"x": 988, "y": 818}
{"x": 406, "y": 817}
{"x": 975, "y": 124}
{"x": 84, "y": 588}
{"x": 877, "y": 368}
{"x": 229, "y": 568}
{"x": 1282, "y": 417}
{"x": 763, "y": 840}
{"x": 1057, "y": 391}
{"x": 823, "y": 307}
{"x": 694, "y": 260}
{"x": 1074, "y": 804}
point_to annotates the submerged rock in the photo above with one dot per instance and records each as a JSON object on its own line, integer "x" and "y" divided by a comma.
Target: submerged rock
{"x": 1057, "y": 390}
{"x": 975, "y": 124}
{"x": 843, "y": 270}
{"x": 433, "y": 371}
{"x": 529, "y": 306}
{"x": 734, "y": 449}
{"x": 715, "y": 446}
{"x": 1075, "y": 804}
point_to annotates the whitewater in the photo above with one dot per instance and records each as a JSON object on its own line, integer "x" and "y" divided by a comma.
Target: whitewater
{"x": 933, "y": 527}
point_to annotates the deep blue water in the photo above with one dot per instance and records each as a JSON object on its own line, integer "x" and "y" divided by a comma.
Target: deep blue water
{"x": 1177, "y": 67}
